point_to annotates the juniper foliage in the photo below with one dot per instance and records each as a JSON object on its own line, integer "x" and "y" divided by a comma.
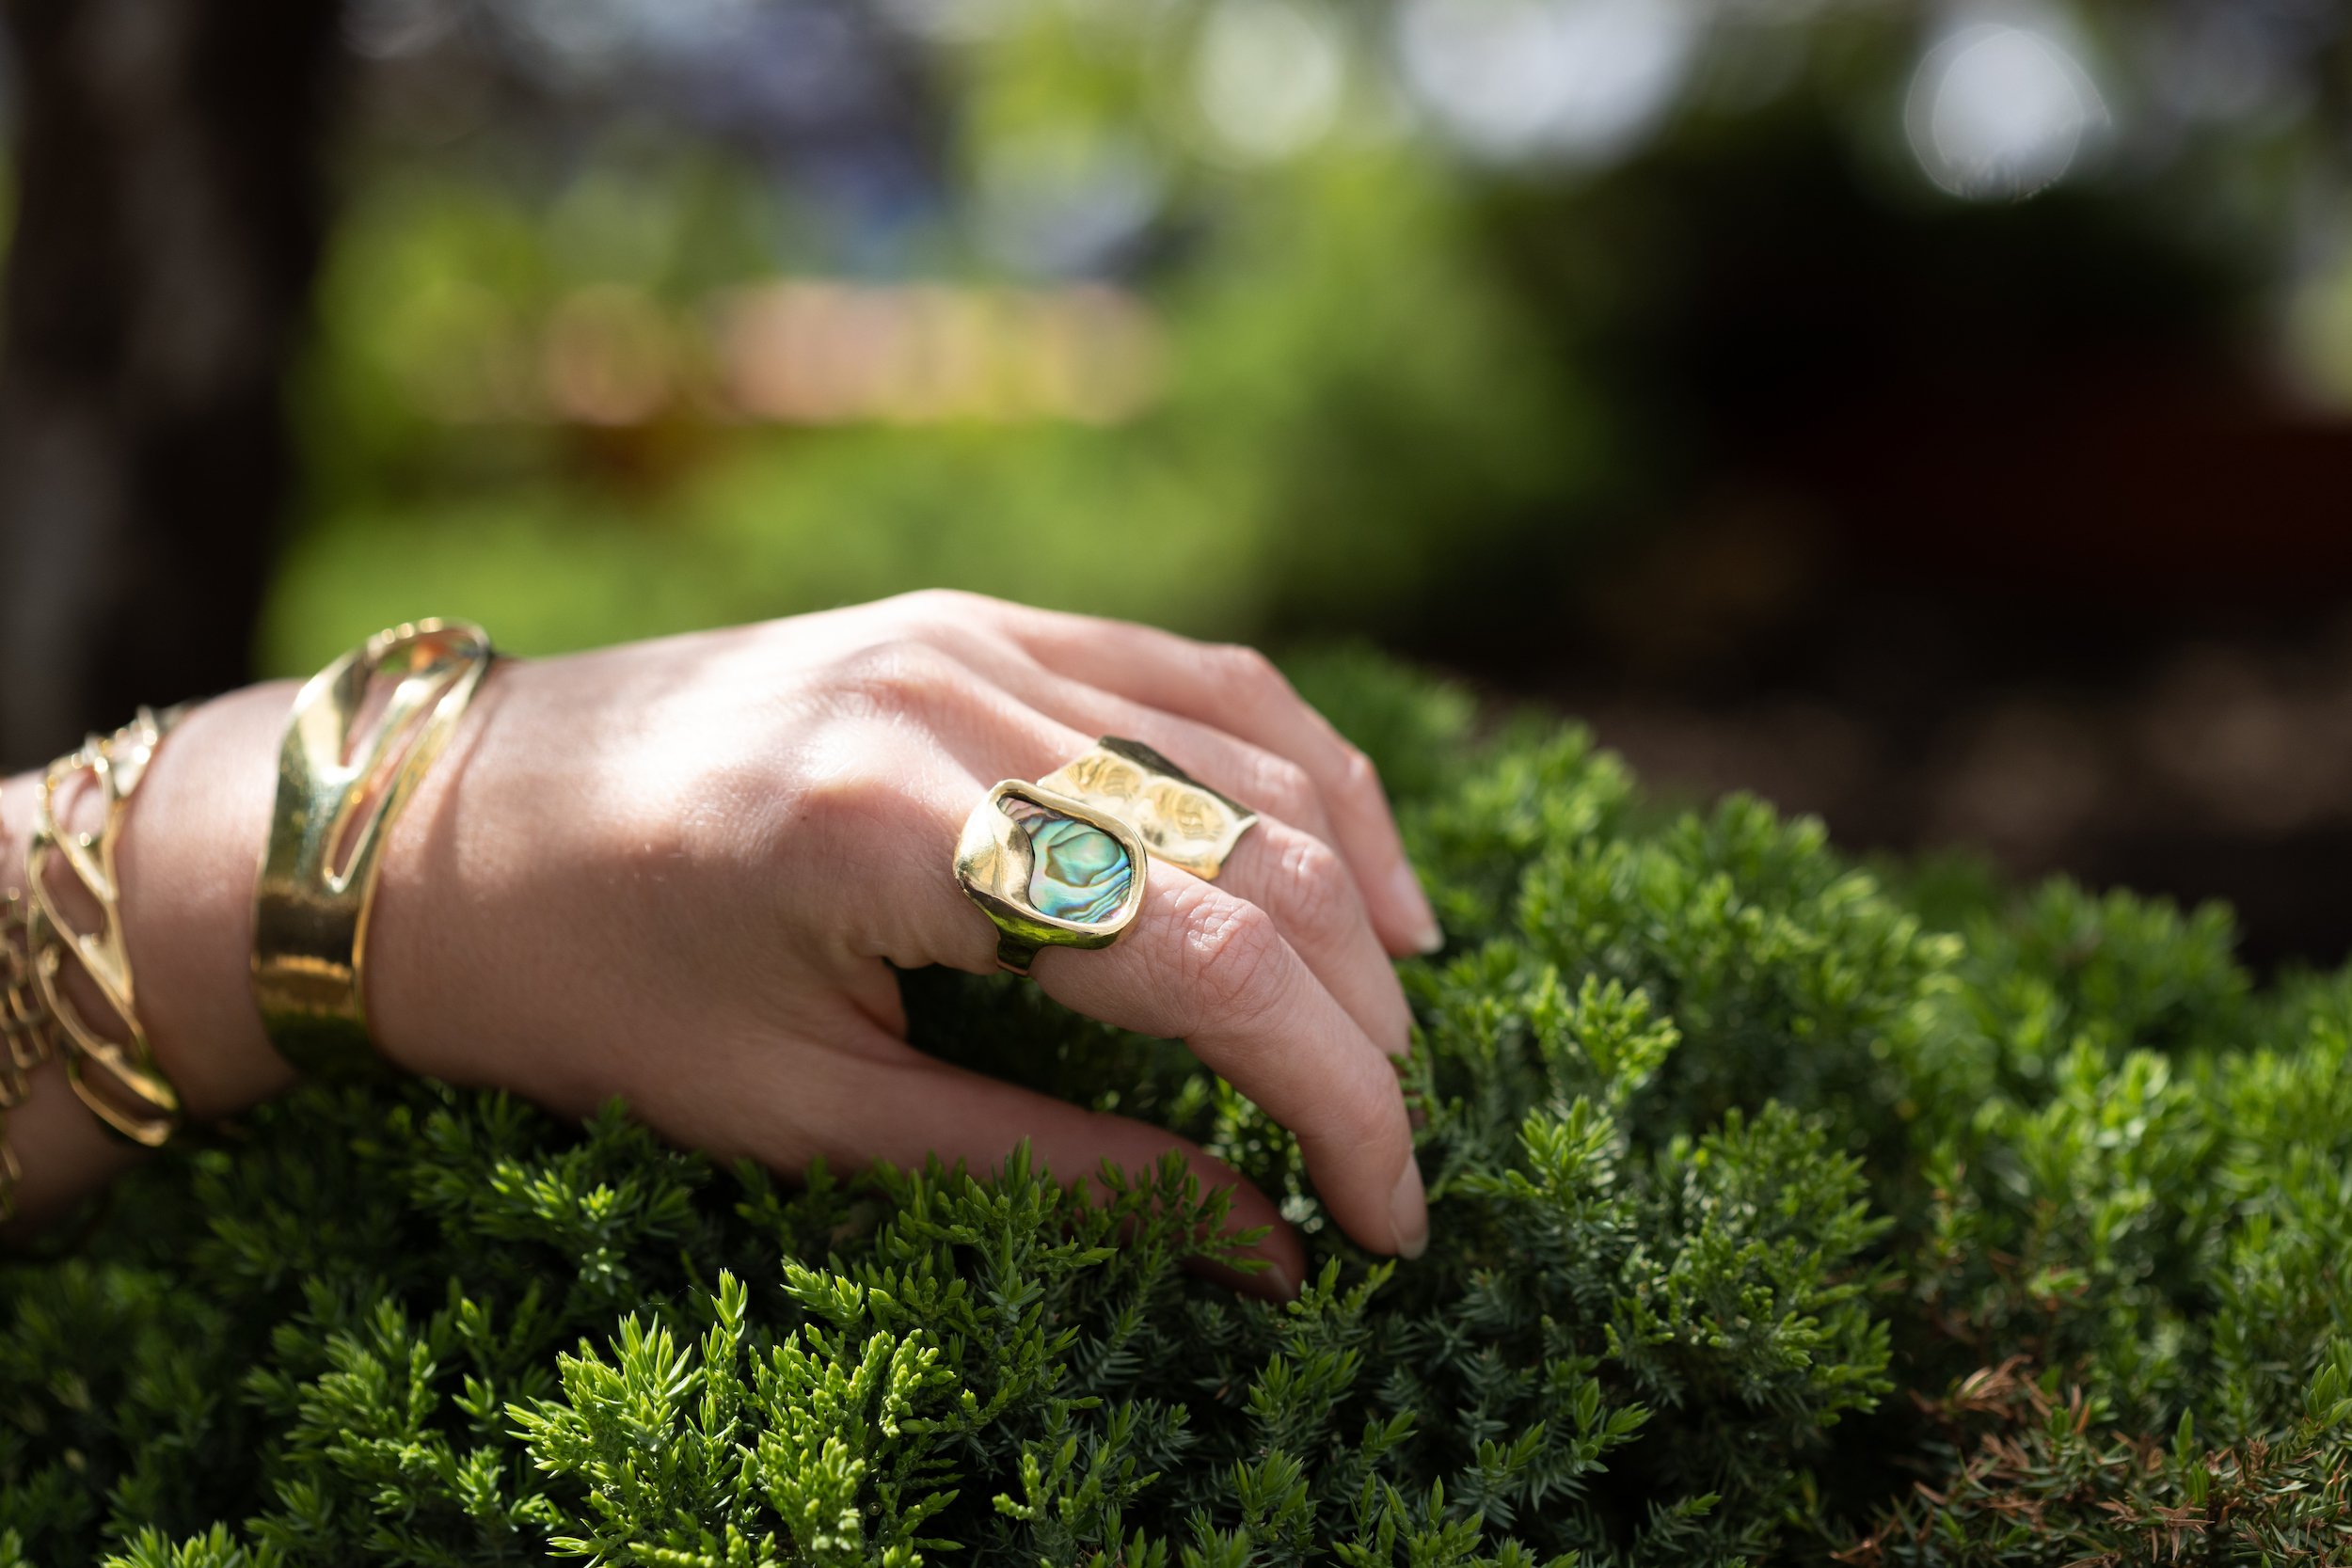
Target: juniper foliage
{"x": 1780, "y": 1213}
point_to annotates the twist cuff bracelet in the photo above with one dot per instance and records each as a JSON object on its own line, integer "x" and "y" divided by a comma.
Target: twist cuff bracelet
{"x": 115, "y": 1077}
{"x": 343, "y": 772}
{"x": 118, "y": 1080}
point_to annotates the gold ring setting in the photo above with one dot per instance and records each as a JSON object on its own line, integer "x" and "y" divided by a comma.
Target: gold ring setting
{"x": 1179, "y": 819}
{"x": 1050, "y": 871}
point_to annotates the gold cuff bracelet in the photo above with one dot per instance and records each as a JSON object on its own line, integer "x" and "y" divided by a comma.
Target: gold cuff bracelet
{"x": 344, "y": 773}
{"x": 128, "y": 1092}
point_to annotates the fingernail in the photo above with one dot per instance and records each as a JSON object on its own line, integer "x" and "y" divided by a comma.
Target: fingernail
{"x": 1427, "y": 937}
{"x": 1408, "y": 1211}
{"x": 1278, "y": 1277}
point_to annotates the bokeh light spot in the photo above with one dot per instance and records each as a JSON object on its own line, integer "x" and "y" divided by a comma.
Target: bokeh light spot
{"x": 1583, "y": 81}
{"x": 1999, "y": 111}
{"x": 1267, "y": 79}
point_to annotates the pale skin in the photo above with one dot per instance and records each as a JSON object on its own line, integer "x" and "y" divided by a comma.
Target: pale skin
{"x": 679, "y": 872}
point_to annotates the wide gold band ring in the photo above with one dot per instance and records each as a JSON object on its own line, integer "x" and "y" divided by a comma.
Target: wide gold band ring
{"x": 1179, "y": 819}
{"x": 1049, "y": 870}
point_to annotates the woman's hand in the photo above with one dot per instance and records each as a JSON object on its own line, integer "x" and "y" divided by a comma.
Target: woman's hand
{"x": 678, "y": 871}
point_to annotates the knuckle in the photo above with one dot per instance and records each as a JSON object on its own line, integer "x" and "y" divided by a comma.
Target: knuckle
{"x": 1359, "y": 775}
{"x": 1287, "y": 791}
{"x": 1248, "y": 668}
{"x": 835, "y": 816}
{"x": 897, "y": 676}
{"x": 1229, "y": 957}
{"x": 1320, "y": 893}
{"x": 834, "y": 807}
{"x": 970, "y": 629}
{"x": 945, "y": 604}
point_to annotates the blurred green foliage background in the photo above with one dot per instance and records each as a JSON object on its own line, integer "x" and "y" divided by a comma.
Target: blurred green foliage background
{"x": 1409, "y": 291}
{"x": 1258, "y": 488}
{"x": 1935, "y": 418}
{"x": 1344, "y": 422}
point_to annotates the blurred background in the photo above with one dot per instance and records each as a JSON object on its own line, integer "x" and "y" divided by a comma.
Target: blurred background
{"x": 1938, "y": 416}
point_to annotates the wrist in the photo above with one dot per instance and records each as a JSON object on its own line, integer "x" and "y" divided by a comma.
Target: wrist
{"x": 486, "y": 936}
{"x": 425, "y": 958}
{"x": 185, "y": 869}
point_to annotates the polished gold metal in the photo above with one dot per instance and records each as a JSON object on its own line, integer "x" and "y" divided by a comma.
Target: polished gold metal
{"x": 996, "y": 863}
{"x": 344, "y": 770}
{"x": 1179, "y": 819}
{"x": 30, "y": 1028}
{"x": 128, "y": 1093}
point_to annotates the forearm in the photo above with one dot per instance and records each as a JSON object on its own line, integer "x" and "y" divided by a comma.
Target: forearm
{"x": 186, "y": 863}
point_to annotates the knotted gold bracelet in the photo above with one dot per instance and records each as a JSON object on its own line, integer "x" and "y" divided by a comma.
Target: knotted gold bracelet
{"x": 344, "y": 773}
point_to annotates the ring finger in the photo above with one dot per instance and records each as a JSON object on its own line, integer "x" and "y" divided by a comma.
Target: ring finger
{"x": 1295, "y": 878}
{"x": 1200, "y": 965}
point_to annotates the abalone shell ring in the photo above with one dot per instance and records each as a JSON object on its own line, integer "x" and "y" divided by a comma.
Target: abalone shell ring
{"x": 1179, "y": 819}
{"x": 1049, "y": 870}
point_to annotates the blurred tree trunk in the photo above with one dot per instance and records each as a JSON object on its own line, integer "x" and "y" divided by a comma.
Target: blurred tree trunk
{"x": 169, "y": 217}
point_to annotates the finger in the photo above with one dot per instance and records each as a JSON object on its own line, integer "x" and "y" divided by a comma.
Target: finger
{"x": 1295, "y": 877}
{"x": 1212, "y": 970}
{"x": 1239, "y": 691}
{"x": 871, "y": 1097}
{"x": 1267, "y": 782}
{"x": 1300, "y": 881}
{"x": 1198, "y": 963}
{"x": 901, "y": 1105}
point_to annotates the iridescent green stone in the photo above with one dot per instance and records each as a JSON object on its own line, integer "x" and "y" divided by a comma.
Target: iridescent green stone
{"x": 1081, "y": 873}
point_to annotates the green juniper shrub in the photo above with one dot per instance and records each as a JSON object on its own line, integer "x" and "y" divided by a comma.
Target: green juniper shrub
{"x": 1772, "y": 1221}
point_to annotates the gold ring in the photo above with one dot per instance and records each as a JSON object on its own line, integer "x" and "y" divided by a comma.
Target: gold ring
{"x": 1050, "y": 871}
{"x": 1179, "y": 819}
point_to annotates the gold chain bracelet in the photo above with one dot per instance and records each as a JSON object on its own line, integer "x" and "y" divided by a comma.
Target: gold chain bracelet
{"x": 343, "y": 772}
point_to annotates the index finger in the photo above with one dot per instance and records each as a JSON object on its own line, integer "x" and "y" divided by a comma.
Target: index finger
{"x": 1207, "y": 968}
{"x": 1195, "y": 964}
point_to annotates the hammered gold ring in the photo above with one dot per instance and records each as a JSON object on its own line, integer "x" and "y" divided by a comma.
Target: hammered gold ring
{"x": 1049, "y": 871}
{"x": 1179, "y": 819}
